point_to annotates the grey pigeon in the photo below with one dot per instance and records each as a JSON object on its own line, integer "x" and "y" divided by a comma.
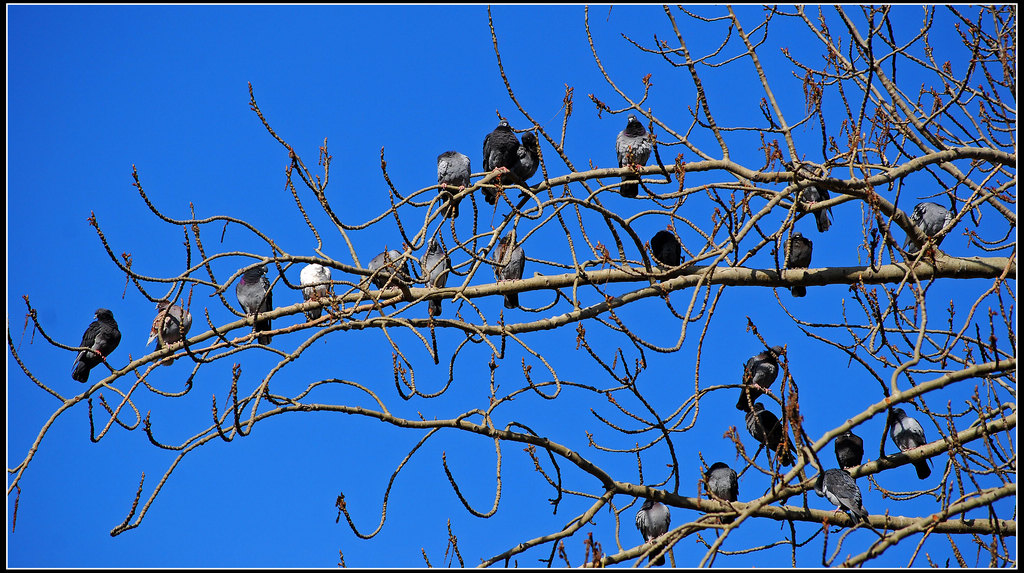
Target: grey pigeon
{"x": 908, "y": 434}
{"x": 254, "y": 294}
{"x": 722, "y": 482}
{"x": 527, "y": 157}
{"x": 501, "y": 149}
{"x": 930, "y": 218}
{"x": 315, "y": 280}
{"x": 435, "y": 265}
{"x": 452, "y": 169}
{"x": 812, "y": 194}
{"x": 764, "y": 427}
{"x": 632, "y": 147}
{"x": 508, "y": 260}
{"x": 666, "y": 249}
{"x": 798, "y": 256}
{"x": 386, "y": 267}
{"x": 840, "y": 489}
{"x": 849, "y": 450}
{"x": 758, "y": 375}
{"x": 101, "y": 338}
{"x": 170, "y": 326}
{"x": 653, "y": 520}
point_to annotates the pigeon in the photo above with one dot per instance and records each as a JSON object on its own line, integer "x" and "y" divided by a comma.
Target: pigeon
{"x": 722, "y": 483}
{"x": 652, "y": 520}
{"x": 452, "y": 169}
{"x": 501, "y": 149}
{"x": 435, "y": 265}
{"x": 528, "y": 157}
{"x": 812, "y": 194}
{"x": 254, "y": 294}
{"x": 666, "y": 249}
{"x": 798, "y": 256}
{"x": 632, "y": 147}
{"x": 315, "y": 280}
{"x": 839, "y": 488}
{"x": 849, "y": 450}
{"x": 758, "y": 374}
{"x": 101, "y": 338}
{"x": 393, "y": 273}
{"x": 930, "y": 218}
{"x": 170, "y": 326}
{"x": 508, "y": 260}
{"x": 908, "y": 434}
{"x": 765, "y": 428}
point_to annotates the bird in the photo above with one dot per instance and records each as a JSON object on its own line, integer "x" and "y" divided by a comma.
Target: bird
{"x": 501, "y": 149}
{"x": 100, "y": 338}
{"x": 508, "y": 260}
{"x": 254, "y": 294}
{"x": 653, "y": 520}
{"x": 849, "y": 449}
{"x": 722, "y": 483}
{"x": 170, "y": 326}
{"x": 840, "y": 489}
{"x": 315, "y": 280}
{"x": 764, "y": 427}
{"x": 666, "y": 249}
{"x": 908, "y": 434}
{"x": 798, "y": 256}
{"x": 758, "y": 375}
{"x": 393, "y": 273}
{"x": 435, "y": 265}
{"x": 527, "y": 157}
{"x": 632, "y": 147}
{"x": 812, "y": 194}
{"x": 930, "y": 218}
{"x": 452, "y": 169}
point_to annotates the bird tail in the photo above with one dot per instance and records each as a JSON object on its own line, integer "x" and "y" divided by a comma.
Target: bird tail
{"x": 453, "y": 209}
{"x": 512, "y": 300}
{"x": 491, "y": 196}
{"x": 786, "y": 456}
{"x": 923, "y": 471}
{"x": 314, "y": 313}
{"x": 743, "y": 404}
{"x": 659, "y": 561}
{"x": 80, "y": 371}
{"x": 435, "y": 308}
{"x": 260, "y": 327}
{"x": 798, "y": 290}
{"x": 629, "y": 189}
{"x": 823, "y": 222}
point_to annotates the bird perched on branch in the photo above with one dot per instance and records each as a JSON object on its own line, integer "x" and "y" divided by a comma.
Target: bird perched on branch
{"x": 254, "y": 295}
{"x": 452, "y": 169}
{"x": 931, "y": 218}
{"x": 798, "y": 256}
{"x": 501, "y": 149}
{"x": 812, "y": 194}
{"x": 908, "y": 434}
{"x": 509, "y": 260}
{"x": 849, "y": 449}
{"x": 759, "y": 373}
{"x": 527, "y": 157}
{"x": 632, "y": 148}
{"x": 721, "y": 481}
{"x": 666, "y": 249}
{"x": 315, "y": 280}
{"x": 839, "y": 488}
{"x": 100, "y": 339}
{"x": 170, "y": 326}
{"x": 653, "y": 520}
{"x": 765, "y": 427}
{"x": 387, "y": 270}
{"x": 435, "y": 265}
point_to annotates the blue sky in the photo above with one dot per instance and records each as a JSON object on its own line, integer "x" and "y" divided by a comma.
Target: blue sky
{"x": 94, "y": 90}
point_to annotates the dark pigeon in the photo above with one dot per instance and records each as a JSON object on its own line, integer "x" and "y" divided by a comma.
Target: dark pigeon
{"x": 452, "y": 169}
{"x": 666, "y": 249}
{"x": 508, "y": 260}
{"x": 435, "y": 265}
{"x": 798, "y": 256}
{"x": 908, "y": 434}
{"x": 840, "y": 489}
{"x": 764, "y": 427}
{"x": 254, "y": 294}
{"x": 315, "y": 280}
{"x": 501, "y": 149}
{"x": 632, "y": 147}
{"x": 170, "y": 326}
{"x": 812, "y": 194}
{"x": 101, "y": 338}
{"x": 849, "y": 450}
{"x": 527, "y": 157}
{"x": 930, "y": 218}
{"x": 722, "y": 482}
{"x": 758, "y": 375}
{"x": 393, "y": 273}
{"x": 653, "y": 520}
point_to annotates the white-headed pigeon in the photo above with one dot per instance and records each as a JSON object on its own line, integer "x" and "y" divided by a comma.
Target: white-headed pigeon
{"x": 798, "y": 256}
{"x": 840, "y": 489}
{"x": 435, "y": 265}
{"x": 508, "y": 260}
{"x": 722, "y": 482}
{"x": 101, "y": 338}
{"x": 764, "y": 427}
{"x": 315, "y": 280}
{"x": 908, "y": 434}
{"x": 452, "y": 169}
{"x": 632, "y": 147}
{"x": 653, "y": 520}
{"x": 849, "y": 449}
{"x": 501, "y": 149}
{"x": 666, "y": 249}
{"x": 387, "y": 270}
{"x": 170, "y": 326}
{"x": 930, "y": 218}
{"x": 758, "y": 375}
{"x": 255, "y": 297}
{"x": 527, "y": 157}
